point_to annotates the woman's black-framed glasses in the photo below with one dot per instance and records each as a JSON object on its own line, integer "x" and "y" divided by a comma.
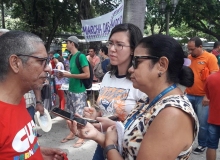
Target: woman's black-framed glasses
{"x": 46, "y": 59}
{"x": 117, "y": 46}
{"x": 135, "y": 59}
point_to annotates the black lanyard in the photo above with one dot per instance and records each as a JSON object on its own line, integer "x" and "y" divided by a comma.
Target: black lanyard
{"x": 134, "y": 117}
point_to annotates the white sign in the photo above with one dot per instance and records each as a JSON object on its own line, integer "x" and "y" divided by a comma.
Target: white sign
{"x": 99, "y": 29}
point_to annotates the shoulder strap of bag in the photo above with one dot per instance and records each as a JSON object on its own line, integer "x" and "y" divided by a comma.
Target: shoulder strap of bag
{"x": 79, "y": 66}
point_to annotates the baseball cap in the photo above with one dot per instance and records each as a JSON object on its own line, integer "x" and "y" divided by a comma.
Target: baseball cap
{"x": 73, "y": 39}
{"x": 56, "y": 55}
{"x": 65, "y": 54}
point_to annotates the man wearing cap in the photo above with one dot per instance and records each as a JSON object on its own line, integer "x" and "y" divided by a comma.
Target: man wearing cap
{"x": 93, "y": 60}
{"x": 77, "y": 96}
{"x": 23, "y": 67}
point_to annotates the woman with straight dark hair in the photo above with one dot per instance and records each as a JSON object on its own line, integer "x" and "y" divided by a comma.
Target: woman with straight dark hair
{"x": 165, "y": 126}
{"x": 117, "y": 96}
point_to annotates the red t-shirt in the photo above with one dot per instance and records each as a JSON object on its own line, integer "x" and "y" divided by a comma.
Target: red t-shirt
{"x": 213, "y": 93}
{"x": 18, "y": 140}
{"x": 53, "y": 65}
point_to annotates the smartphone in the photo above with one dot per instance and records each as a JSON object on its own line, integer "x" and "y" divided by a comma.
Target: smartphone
{"x": 68, "y": 116}
{"x": 91, "y": 120}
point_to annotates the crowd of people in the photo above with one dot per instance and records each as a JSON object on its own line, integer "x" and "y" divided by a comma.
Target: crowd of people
{"x": 138, "y": 94}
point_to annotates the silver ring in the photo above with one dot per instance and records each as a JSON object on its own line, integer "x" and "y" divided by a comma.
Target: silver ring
{"x": 86, "y": 133}
{"x": 76, "y": 134}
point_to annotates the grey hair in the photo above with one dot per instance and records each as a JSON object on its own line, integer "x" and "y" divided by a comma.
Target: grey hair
{"x": 14, "y": 43}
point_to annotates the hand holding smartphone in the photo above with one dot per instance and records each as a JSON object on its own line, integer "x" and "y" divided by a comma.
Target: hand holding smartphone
{"x": 68, "y": 116}
{"x": 114, "y": 118}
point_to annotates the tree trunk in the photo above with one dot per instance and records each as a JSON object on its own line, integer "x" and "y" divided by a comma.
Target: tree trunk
{"x": 3, "y": 14}
{"x": 134, "y": 12}
{"x": 51, "y": 36}
{"x": 84, "y": 7}
{"x": 152, "y": 29}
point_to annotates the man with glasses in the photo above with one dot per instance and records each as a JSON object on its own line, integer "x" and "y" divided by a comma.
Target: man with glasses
{"x": 32, "y": 98}
{"x": 202, "y": 64}
{"x": 23, "y": 67}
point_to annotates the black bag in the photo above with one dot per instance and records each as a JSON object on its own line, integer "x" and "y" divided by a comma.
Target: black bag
{"x": 87, "y": 82}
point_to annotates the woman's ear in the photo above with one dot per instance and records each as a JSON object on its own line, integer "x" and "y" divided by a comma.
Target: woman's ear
{"x": 15, "y": 63}
{"x": 163, "y": 64}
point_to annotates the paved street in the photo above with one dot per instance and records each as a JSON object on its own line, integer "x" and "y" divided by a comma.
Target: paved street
{"x": 58, "y": 132}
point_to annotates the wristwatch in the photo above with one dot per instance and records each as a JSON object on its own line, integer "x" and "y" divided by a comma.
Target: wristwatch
{"x": 107, "y": 148}
{"x": 39, "y": 102}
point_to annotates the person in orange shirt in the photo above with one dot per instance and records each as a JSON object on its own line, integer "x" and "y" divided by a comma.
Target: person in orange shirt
{"x": 202, "y": 64}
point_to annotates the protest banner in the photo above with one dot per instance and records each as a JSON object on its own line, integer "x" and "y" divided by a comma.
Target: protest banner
{"x": 99, "y": 28}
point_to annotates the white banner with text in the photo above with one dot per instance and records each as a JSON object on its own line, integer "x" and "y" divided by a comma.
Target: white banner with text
{"x": 99, "y": 29}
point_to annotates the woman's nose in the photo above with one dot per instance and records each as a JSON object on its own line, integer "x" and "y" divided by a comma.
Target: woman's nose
{"x": 131, "y": 69}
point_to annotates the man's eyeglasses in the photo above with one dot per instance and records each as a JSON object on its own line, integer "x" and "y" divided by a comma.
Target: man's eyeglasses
{"x": 117, "y": 46}
{"x": 47, "y": 60}
{"x": 135, "y": 59}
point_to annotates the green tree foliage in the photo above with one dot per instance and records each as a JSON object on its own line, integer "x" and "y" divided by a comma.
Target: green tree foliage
{"x": 154, "y": 19}
{"x": 201, "y": 15}
{"x": 102, "y": 7}
{"x": 46, "y": 18}
{"x": 85, "y": 9}
{"x": 3, "y": 7}
{"x": 191, "y": 18}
